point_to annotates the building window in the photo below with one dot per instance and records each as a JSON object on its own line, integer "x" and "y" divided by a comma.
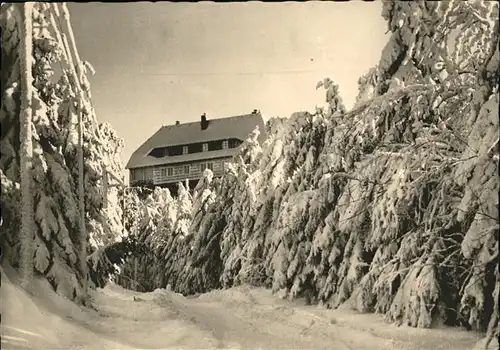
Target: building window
{"x": 205, "y": 147}
{"x": 158, "y": 152}
{"x": 225, "y": 144}
{"x": 184, "y": 149}
{"x": 214, "y": 145}
{"x": 149, "y": 173}
{"x": 195, "y": 148}
{"x": 186, "y": 169}
{"x": 175, "y": 151}
{"x": 139, "y": 174}
{"x": 163, "y": 172}
{"x": 170, "y": 171}
{"x": 208, "y": 165}
{"x": 234, "y": 143}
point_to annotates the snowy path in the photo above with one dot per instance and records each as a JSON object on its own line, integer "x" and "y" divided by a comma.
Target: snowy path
{"x": 239, "y": 318}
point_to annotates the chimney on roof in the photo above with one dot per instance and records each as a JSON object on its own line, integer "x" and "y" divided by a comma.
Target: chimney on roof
{"x": 204, "y": 122}
{"x": 177, "y": 122}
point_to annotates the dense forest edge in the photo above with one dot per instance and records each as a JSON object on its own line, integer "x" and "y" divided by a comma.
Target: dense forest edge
{"x": 391, "y": 206}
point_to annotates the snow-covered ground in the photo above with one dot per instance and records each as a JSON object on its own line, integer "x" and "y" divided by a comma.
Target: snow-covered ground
{"x": 238, "y": 318}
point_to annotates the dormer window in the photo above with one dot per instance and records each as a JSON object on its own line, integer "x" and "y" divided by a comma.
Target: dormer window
{"x": 159, "y": 152}
{"x": 205, "y": 147}
{"x": 185, "y": 150}
{"x": 225, "y": 144}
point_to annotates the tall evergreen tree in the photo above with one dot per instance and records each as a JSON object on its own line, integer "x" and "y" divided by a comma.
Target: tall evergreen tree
{"x": 56, "y": 240}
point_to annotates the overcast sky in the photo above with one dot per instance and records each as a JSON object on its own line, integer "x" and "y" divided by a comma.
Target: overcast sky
{"x": 161, "y": 62}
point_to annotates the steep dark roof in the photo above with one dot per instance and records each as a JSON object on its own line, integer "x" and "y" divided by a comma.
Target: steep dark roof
{"x": 173, "y": 135}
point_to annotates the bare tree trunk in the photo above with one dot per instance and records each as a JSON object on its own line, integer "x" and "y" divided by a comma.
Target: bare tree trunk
{"x": 26, "y": 149}
{"x": 136, "y": 287}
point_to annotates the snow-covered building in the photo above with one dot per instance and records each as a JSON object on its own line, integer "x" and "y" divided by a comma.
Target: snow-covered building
{"x": 183, "y": 151}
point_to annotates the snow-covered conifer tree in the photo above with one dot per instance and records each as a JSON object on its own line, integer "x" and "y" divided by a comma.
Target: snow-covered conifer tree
{"x": 56, "y": 242}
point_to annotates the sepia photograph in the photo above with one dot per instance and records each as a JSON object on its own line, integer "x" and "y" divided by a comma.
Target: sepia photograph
{"x": 250, "y": 175}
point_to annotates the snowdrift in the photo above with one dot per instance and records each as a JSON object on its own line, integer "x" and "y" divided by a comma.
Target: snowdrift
{"x": 45, "y": 320}
{"x": 236, "y": 318}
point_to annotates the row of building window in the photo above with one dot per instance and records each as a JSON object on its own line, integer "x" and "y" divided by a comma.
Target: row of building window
{"x": 194, "y": 148}
{"x": 185, "y": 169}
{"x": 170, "y": 171}
{"x": 215, "y": 145}
{"x": 140, "y": 174}
{"x": 225, "y": 145}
